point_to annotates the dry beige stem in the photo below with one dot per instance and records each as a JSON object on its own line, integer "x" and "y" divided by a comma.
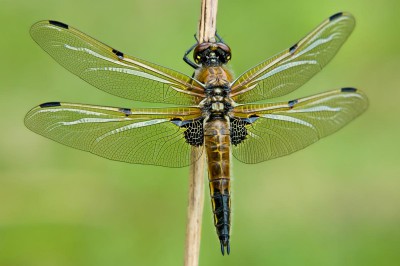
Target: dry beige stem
{"x": 208, "y": 21}
{"x": 206, "y": 33}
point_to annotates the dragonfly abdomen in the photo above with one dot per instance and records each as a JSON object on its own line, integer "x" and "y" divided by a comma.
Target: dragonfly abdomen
{"x": 217, "y": 144}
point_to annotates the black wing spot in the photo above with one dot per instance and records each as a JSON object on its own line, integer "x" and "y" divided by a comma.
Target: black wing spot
{"x": 194, "y": 133}
{"x": 292, "y": 103}
{"x": 126, "y": 111}
{"x": 293, "y": 48}
{"x": 50, "y": 104}
{"x": 335, "y": 16}
{"x": 348, "y": 89}
{"x": 118, "y": 53}
{"x": 58, "y": 24}
{"x": 238, "y": 129}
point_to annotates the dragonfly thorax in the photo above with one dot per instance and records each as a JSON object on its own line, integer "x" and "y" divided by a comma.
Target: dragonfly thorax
{"x": 216, "y": 80}
{"x": 217, "y": 103}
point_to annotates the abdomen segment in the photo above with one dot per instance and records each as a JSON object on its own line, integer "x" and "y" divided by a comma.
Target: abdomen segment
{"x": 217, "y": 142}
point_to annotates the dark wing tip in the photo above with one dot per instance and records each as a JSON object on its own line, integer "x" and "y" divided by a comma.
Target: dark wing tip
{"x": 292, "y": 103}
{"x": 293, "y": 48}
{"x": 348, "y": 89}
{"x": 58, "y": 24}
{"x": 335, "y": 16}
{"x": 126, "y": 111}
{"x": 50, "y": 104}
{"x": 118, "y": 53}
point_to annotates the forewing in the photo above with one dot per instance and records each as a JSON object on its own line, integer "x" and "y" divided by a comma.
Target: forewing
{"x": 111, "y": 70}
{"x": 279, "y": 129}
{"x": 293, "y": 67}
{"x": 142, "y": 136}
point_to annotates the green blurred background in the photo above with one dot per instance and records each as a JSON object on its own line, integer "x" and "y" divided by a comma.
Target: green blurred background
{"x": 334, "y": 203}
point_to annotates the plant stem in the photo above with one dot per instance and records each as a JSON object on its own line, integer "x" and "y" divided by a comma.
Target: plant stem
{"x": 206, "y": 33}
{"x": 194, "y": 212}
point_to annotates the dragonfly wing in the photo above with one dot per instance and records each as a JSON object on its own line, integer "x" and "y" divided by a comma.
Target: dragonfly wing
{"x": 141, "y": 136}
{"x": 278, "y": 129}
{"x": 111, "y": 70}
{"x": 293, "y": 67}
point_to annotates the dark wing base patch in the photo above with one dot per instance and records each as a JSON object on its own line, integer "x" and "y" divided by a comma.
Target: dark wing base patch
{"x": 194, "y": 133}
{"x": 238, "y": 130}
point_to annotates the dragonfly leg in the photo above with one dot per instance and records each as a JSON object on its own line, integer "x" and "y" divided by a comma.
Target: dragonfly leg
{"x": 219, "y": 37}
{"x": 187, "y": 60}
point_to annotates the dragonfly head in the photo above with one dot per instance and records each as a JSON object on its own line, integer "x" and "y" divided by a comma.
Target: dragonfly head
{"x": 212, "y": 54}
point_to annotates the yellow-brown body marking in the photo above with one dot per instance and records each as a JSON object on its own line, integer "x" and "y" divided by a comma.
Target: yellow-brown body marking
{"x": 217, "y": 143}
{"x": 215, "y": 76}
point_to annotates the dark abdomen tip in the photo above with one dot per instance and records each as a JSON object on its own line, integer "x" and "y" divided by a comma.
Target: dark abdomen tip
{"x": 224, "y": 240}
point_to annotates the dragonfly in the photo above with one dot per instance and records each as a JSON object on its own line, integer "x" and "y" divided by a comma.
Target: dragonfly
{"x": 213, "y": 112}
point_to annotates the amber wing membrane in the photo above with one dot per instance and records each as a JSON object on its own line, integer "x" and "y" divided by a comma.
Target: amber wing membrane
{"x": 142, "y": 136}
{"x": 113, "y": 71}
{"x": 278, "y": 129}
{"x": 293, "y": 67}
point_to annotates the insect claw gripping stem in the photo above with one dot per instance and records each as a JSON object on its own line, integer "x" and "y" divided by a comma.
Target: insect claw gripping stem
{"x": 219, "y": 37}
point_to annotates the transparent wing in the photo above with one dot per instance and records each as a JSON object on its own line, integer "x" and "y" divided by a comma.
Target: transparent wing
{"x": 279, "y": 129}
{"x": 293, "y": 67}
{"x": 142, "y": 136}
{"x": 111, "y": 70}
